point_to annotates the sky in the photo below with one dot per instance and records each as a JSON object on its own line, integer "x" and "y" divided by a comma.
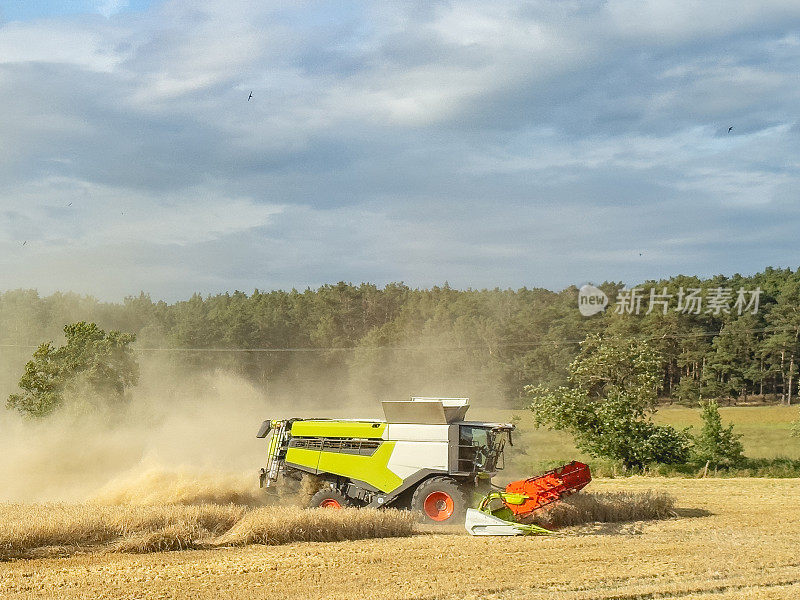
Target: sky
{"x": 486, "y": 143}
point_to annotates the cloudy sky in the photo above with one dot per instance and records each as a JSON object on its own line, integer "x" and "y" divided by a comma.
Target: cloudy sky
{"x": 484, "y": 143}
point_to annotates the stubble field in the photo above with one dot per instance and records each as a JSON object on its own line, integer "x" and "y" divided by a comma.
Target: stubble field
{"x": 733, "y": 538}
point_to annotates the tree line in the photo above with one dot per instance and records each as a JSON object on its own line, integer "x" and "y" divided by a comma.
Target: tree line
{"x": 493, "y": 342}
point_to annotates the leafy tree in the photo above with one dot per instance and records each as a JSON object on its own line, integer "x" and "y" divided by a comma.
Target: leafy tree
{"x": 41, "y": 383}
{"x": 609, "y": 407}
{"x": 102, "y": 360}
{"x": 716, "y": 444}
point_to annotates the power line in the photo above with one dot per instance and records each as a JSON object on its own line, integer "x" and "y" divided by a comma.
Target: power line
{"x": 465, "y": 347}
{"x": 531, "y": 343}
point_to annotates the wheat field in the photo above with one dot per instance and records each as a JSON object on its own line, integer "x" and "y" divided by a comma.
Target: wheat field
{"x": 606, "y": 507}
{"x": 37, "y": 530}
{"x": 29, "y": 530}
{"x": 731, "y": 539}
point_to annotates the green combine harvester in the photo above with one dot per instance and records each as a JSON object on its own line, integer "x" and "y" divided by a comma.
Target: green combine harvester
{"x": 423, "y": 456}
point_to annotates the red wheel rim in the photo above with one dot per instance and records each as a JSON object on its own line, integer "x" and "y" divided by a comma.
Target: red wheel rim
{"x": 330, "y": 503}
{"x": 439, "y": 506}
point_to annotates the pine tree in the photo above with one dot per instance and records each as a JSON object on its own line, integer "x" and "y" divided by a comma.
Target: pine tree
{"x": 716, "y": 444}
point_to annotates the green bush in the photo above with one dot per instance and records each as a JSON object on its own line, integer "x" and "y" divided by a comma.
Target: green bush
{"x": 716, "y": 445}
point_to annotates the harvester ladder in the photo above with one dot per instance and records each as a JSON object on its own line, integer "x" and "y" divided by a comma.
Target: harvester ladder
{"x": 275, "y": 444}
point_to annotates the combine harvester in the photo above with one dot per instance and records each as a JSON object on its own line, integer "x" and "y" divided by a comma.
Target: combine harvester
{"x": 425, "y": 457}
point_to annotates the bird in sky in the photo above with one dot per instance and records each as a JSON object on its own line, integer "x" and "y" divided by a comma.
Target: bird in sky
{"x": 730, "y": 128}
{"x": 250, "y": 96}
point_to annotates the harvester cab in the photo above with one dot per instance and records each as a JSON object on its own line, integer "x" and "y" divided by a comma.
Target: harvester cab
{"x": 423, "y": 455}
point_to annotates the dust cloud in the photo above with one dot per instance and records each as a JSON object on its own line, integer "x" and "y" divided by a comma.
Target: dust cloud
{"x": 182, "y": 437}
{"x": 188, "y": 436}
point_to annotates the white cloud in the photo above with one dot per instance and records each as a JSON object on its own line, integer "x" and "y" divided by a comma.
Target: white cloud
{"x": 658, "y": 22}
{"x": 90, "y": 47}
{"x": 70, "y": 213}
{"x": 484, "y": 143}
{"x": 107, "y": 8}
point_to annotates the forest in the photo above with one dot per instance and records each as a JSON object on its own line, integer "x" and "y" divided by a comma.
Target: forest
{"x": 344, "y": 339}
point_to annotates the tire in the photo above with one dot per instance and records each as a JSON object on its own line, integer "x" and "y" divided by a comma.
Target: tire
{"x": 440, "y": 501}
{"x": 328, "y": 498}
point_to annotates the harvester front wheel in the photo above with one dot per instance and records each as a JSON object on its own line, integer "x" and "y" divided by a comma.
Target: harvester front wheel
{"x": 439, "y": 501}
{"x": 328, "y": 498}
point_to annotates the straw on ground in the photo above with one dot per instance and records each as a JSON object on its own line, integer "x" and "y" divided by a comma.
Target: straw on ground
{"x": 24, "y": 528}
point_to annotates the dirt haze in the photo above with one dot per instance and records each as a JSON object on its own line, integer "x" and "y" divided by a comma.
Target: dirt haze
{"x": 188, "y": 435}
{"x": 178, "y": 437}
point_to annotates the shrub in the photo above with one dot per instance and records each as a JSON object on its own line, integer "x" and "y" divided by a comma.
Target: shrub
{"x": 716, "y": 444}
